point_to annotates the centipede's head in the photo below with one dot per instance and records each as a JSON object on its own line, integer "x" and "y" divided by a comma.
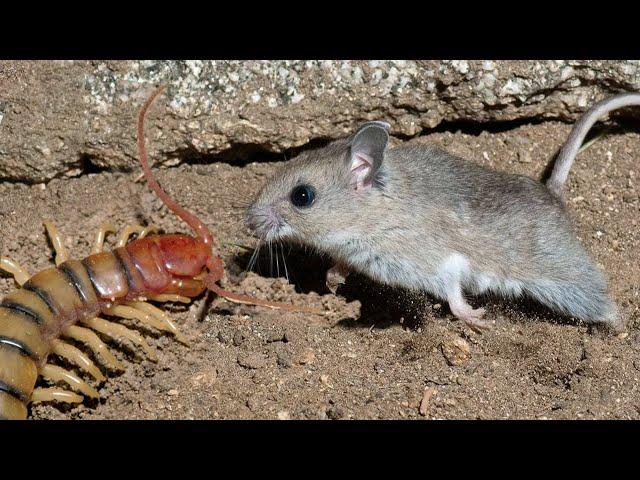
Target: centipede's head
{"x": 185, "y": 258}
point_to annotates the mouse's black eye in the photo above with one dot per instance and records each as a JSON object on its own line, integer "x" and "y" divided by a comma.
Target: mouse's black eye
{"x": 303, "y": 196}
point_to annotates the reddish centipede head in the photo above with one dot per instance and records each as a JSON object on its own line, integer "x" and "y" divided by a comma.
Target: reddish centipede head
{"x": 184, "y": 256}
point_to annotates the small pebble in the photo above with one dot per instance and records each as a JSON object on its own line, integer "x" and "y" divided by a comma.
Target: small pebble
{"x": 251, "y": 360}
{"x": 284, "y": 360}
{"x": 335, "y": 413}
{"x": 238, "y": 338}
{"x": 426, "y": 398}
{"x": 205, "y": 379}
{"x": 307, "y": 357}
{"x": 275, "y": 337}
{"x": 172, "y": 392}
{"x": 456, "y": 351}
{"x": 284, "y": 415}
{"x": 325, "y": 381}
{"x": 224, "y": 337}
{"x": 524, "y": 156}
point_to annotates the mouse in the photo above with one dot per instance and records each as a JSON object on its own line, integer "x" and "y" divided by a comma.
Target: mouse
{"x": 420, "y": 218}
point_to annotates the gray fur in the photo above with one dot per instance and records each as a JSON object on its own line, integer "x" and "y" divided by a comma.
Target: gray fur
{"x": 428, "y": 214}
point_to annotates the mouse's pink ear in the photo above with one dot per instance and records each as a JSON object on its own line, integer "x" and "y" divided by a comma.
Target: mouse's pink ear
{"x": 367, "y": 152}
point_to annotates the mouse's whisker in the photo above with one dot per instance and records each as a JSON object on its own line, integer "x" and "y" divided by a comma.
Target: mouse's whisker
{"x": 270, "y": 259}
{"x": 284, "y": 262}
{"x": 255, "y": 255}
{"x": 252, "y": 260}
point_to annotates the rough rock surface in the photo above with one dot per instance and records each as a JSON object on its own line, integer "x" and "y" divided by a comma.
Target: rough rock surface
{"x": 66, "y": 118}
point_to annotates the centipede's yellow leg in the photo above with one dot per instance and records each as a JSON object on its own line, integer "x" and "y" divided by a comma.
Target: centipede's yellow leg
{"x": 125, "y": 311}
{"x": 129, "y": 310}
{"x": 56, "y": 240}
{"x": 57, "y": 394}
{"x": 98, "y": 244}
{"x": 168, "y": 325}
{"x": 131, "y": 229}
{"x": 119, "y": 332}
{"x": 169, "y": 297}
{"x": 89, "y": 338}
{"x": 19, "y": 273}
{"x": 77, "y": 357}
{"x": 55, "y": 373}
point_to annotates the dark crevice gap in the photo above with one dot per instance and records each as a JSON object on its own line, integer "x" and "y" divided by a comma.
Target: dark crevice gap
{"x": 619, "y": 125}
{"x": 241, "y": 154}
{"x": 86, "y": 165}
{"x": 474, "y": 128}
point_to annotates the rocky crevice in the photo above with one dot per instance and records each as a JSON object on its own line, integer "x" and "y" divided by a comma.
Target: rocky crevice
{"x": 70, "y": 118}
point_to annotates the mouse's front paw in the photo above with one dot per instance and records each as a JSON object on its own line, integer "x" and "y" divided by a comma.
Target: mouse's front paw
{"x": 336, "y": 276}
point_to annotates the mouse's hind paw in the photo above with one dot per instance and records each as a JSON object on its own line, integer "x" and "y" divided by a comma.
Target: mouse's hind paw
{"x": 474, "y": 318}
{"x": 476, "y": 321}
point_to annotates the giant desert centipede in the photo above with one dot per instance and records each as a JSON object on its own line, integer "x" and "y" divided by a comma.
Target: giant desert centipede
{"x": 52, "y": 303}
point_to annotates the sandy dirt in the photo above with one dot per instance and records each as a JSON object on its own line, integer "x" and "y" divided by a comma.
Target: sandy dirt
{"x": 377, "y": 350}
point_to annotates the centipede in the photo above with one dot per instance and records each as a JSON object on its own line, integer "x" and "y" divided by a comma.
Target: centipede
{"x": 68, "y": 301}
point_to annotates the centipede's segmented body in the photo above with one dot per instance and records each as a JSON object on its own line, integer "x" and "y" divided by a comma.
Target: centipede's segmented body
{"x": 52, "y": 303}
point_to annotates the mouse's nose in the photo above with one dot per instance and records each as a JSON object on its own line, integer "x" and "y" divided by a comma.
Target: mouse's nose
{"x": 262, "y": 219}
{"x": 252, "y": 217}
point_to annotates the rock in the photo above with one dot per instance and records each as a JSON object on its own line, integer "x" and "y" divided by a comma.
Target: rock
{"x": 524, "y": 156}
{"x": 325, "y": 380}
{"x": 284, "y": 360}
{"x": 238, "y": 338}
{"x": 273, "y": 337}
{"x": 224, "y": 336}
{"x": 456, "y": 350}
{"x": 426, "y": 398}
{"x": 307, "y": 357}
{"x": 284, "y": 415}
{"x": 335, "y": 413}
{"x": 71, "y": 117}
{"x": 204, "y": 379}
{"x": 252, "y": 360}
{"x": 254, "y": 403}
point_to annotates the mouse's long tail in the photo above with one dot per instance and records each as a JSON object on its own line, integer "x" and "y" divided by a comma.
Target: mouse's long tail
{"x": 572, "y": 146}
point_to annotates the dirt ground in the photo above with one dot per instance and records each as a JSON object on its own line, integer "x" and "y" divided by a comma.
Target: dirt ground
{"x": 377, "y": 349}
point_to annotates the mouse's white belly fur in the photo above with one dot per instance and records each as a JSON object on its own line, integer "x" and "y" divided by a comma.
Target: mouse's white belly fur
{"x": 454, "y": 269}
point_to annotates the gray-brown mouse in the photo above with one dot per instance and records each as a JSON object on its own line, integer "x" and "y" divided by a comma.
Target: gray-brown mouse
{"x": 421, "y": 218}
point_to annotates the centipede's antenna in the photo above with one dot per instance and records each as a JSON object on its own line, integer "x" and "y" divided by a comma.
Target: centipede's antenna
{"x": 194, "y": 222}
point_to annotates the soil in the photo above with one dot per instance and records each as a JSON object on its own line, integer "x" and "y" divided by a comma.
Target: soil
{"x": 377, "y": 352}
